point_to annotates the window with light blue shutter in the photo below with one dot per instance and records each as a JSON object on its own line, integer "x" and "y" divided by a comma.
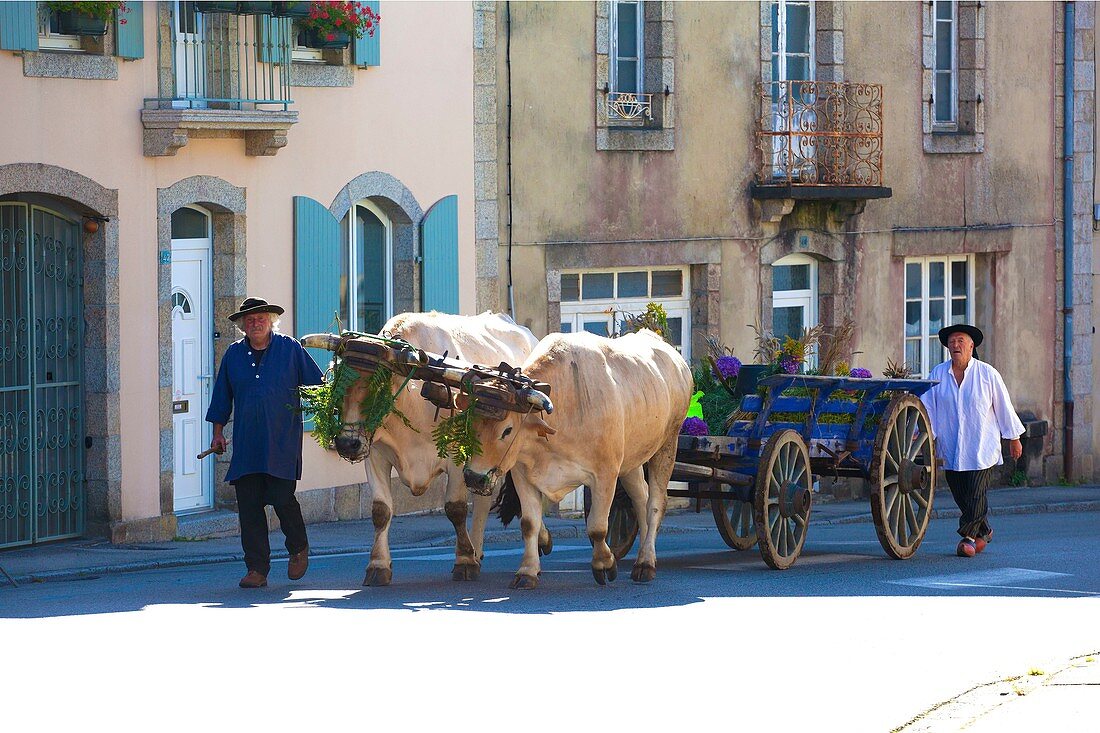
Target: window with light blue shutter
{"x": 130, "y": 36}
{"x": 368, "y": 49}
{"x": 19, "y": 26}
{"x": 316, "y": 271}
{"x": 272, "y": 39}
{"x": 439, "y": 245}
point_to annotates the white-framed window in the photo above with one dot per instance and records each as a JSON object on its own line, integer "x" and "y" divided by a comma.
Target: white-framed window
{"x": 794, "y": 297}
{"x": 793, "y": 40}
{"x": 301, "y": 52}
{"x": 50, "y": 38}
{"x": 599, "y": 301}
{"x": 939, "y": 291}
{"x": 945, "y": 69}
{"x": 627, "y": 47}
{"x": 366, "y": 268}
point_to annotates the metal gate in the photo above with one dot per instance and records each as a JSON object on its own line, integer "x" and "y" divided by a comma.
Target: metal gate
{"x": 41, "y": 375}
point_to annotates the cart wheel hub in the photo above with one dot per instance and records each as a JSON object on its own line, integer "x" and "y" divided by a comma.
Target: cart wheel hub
{"x": 796, "y": 501}
{"x": 910, "y": 476}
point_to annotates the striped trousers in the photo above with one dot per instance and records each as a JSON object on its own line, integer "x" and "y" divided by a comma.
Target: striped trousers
{"x": 969, "y": 489}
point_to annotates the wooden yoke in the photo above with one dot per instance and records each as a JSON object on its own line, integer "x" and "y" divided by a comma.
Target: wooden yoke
{"x": 495, "y": 388}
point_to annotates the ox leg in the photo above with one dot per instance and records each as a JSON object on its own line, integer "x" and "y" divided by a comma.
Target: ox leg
{"x": 636, "y": 488}
{"x": 530, "y": 524}
{"x": 380, "y": 569}
{"x": 480, "y": 520}
{"x": 660, "y": 470}
{"x": 603, "y": 560}
{"x": 466, "y": 565}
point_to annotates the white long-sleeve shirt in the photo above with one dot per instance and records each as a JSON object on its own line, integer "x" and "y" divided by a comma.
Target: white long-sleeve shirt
{"x": 969, "y": 420}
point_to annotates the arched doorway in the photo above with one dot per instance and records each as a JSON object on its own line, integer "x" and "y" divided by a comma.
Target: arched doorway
{"x": 42, "y": 332}
{"x": 192, "y": 357}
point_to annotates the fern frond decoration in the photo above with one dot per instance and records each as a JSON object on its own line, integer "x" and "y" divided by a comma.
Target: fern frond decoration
{"x": 455, "y": 437}
{"x": 378, "y": 402}
{"x": 325, "y": 401}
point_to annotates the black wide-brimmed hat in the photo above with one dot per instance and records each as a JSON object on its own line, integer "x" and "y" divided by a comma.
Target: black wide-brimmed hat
{"x": 969, "y": 330}
{"x": 256, "y": 305}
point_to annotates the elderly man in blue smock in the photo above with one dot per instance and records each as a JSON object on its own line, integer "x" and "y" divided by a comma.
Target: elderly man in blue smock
{"x": 258, "y": 383}
{"x": 971, "y": 413}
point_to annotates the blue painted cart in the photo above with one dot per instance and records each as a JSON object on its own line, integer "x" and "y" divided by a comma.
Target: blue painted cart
{"x": 759, "y": 477}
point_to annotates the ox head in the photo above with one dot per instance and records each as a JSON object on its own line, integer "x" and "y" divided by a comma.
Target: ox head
{"x": 351, "y": 443}
{"x": 504, "y": 438}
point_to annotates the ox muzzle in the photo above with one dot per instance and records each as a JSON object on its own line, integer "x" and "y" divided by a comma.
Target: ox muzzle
{"x": 483, "y": 484}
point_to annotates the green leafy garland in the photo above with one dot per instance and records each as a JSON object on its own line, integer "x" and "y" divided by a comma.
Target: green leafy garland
{"x": 455, "y": 437}
{"x": 325, "y": 402}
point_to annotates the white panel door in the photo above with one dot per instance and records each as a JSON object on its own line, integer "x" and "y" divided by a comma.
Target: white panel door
{"x": 192, "y": 373}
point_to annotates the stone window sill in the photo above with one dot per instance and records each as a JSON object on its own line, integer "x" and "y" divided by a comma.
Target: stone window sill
{"x": 65, "y": 64}
{"x": 641, "y": 139}
{"x": 953, "y": 141}
{"x": 319, "y": 74}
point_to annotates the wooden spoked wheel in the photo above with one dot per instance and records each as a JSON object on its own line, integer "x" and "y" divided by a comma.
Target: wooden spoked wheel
{"x": 782, "y": 498}
{"x": 622, "y": 525}
{"x": 903, "y": 477}
{"x": 735, "y": 521}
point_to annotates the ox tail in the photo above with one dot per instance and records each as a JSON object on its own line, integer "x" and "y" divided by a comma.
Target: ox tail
{"x": 507, "y": 502}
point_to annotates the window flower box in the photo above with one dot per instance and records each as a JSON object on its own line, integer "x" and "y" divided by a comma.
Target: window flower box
{"x": 332, "y": 40}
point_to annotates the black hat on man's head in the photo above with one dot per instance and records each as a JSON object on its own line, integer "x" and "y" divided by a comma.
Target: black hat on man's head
{"x": 256, "y": 305}
{"x": 969, "y": 330}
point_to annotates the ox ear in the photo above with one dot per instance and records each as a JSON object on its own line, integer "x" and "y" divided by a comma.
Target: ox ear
{"x": 544, "y": 430}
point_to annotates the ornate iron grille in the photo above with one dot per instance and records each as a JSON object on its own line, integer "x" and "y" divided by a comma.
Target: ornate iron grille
{"x": 629, "y": 106}
{"x": 817, "y": 133}
{"x": 41, "y": 376}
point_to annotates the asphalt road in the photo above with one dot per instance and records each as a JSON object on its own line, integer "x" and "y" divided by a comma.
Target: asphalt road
{"x": 845, "y": 640}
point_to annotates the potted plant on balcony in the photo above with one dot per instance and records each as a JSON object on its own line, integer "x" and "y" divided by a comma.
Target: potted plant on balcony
{"x": 86, "y": 18}
{"x": 292, "y": 9}
{"x": 334, "y": 24}
{"x": 217, "y": 6}
{"x": 257, "y": 8}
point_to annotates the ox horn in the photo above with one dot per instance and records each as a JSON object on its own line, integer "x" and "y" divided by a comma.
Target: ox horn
{"x": 536, "y": 398}
{"x": 327, "y": 341}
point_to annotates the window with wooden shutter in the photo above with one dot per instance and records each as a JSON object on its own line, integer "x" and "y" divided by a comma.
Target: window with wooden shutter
{"x": 368, "y": 50}
{"x": 439, "y": 245}
{"x": 316, "y": 271}
{"x": 19, "y": 26}
{"x": 130, "y": 36}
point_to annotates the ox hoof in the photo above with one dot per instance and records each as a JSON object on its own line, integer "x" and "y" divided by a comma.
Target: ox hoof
{"x": 546, "y": 546}
{"x": 378, "y": 576}
{"x": 604, "y": 576}
{"x": 643, "y": 573}
{"x": 465, "y": 572}
{"x": 524, "y": 582}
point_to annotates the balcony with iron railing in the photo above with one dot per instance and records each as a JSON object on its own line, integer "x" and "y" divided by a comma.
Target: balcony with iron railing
{"x": 219, "y": 75}
{"x": 819, "y": 140}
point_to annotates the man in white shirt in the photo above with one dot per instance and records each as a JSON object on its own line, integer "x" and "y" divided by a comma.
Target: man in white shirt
{"x": 971, "y": 412}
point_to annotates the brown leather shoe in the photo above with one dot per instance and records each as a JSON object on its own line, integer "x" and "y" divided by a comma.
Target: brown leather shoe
{"x": 299, "y": 561}
{"x": 253, "y": 580}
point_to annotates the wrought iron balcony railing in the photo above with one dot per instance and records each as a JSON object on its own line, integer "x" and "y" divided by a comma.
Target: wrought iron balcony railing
{"x": 628, "y": 106}
{"x": 223, "y": 61}
{"x": 814, "y": 133}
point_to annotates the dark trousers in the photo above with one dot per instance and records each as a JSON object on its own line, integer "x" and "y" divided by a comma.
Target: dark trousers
{"x": 968, "y": 488}
{"x": 254, "y": 492}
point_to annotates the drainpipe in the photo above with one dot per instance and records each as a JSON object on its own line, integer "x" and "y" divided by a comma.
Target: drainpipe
{"x": 508, "y": 145}
{"x": 1067, "y": 242}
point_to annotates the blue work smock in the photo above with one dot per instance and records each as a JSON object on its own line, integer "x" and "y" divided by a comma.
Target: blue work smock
{"x": 267, "y": 428}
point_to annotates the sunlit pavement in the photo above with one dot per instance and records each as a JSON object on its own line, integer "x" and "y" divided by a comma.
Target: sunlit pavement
{"x": 845, "y": 640}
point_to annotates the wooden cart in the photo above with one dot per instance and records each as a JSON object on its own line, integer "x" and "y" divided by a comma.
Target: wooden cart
{"x": 759, "y": 477}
